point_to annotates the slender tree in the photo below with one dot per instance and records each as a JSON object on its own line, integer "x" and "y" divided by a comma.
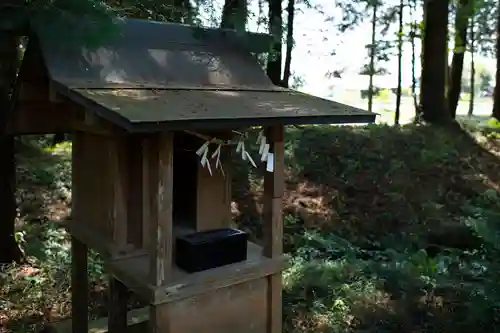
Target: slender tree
{"x": 472, "y": 40}
{"x": 400, "y": 62}
{"x": 372, "y": 56}
{"x": 419, "y": 110}
{"x": 289, "y": 43}
{"x": 413, "y": 35}
{"x": 457, "y": 64}
{"x": 276, "y": 28}
{"x": 496, "y": 92}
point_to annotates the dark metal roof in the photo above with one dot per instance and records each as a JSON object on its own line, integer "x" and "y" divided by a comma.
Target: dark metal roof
{"x": 148, "y": 54}
{"x": 161, "y": 74}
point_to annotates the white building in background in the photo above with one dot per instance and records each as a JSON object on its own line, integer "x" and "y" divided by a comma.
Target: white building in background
{"x": 348, "y": 88}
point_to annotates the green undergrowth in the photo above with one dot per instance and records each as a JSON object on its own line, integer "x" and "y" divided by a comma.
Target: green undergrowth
{"x": 38, "y": 291}
{"x": 388, "y": 230}
{"x": 334, "y": 286}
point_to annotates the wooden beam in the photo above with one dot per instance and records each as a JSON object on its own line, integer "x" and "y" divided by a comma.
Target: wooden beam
{"x": 40, "y": 117}
{"x": 273, "y": 225}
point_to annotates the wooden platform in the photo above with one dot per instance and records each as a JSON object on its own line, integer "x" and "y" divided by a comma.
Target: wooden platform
{"x": 133, "y": 272}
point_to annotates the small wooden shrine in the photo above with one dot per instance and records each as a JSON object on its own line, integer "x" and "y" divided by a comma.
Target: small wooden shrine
{"x": 139, "y": 107}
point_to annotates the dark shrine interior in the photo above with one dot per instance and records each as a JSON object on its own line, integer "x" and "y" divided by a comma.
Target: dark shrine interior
{"x": 185, "y": 179}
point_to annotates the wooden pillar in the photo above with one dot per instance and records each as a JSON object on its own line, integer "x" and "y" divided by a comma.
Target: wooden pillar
{"x": 273, "y": 224}
{"x": 79, "y": 275}
{"x": 135, "y": 192}
{"x": 159, "y": 151}
{"x": 124, "y": 180}
{"x": 79, "y": 286}
{"x": 117, "y": 307}
{"x": 117, "y": 159}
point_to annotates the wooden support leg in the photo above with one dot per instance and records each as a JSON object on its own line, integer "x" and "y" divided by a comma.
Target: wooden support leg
{"x": 117, "y": 308}
{"x": 158, "y": 320}
{"x": 79, "y": 286}
{"x": 273, "y": 225}
{"x": 275, "y": 314}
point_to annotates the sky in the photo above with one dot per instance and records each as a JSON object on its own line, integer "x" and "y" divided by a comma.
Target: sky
{"x": 316, "y": 40}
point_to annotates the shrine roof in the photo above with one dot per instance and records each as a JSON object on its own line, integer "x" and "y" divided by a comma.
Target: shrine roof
{"x": 154, "y": 75}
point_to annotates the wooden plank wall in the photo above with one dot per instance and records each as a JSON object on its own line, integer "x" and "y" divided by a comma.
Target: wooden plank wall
{"x": 213, "y": 197}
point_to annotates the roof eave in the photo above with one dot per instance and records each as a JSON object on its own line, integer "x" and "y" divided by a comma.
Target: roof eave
{"x": 148, "y": 127}
{"x": 214, "y": 124}
{"x": 89, "y": 104}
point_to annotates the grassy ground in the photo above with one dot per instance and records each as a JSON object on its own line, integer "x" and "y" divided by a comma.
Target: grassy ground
{"x": 389, "y": 230}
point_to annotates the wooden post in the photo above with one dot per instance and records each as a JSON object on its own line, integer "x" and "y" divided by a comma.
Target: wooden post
{"x": 159, "y": 150}
{"x": 79, "y": 275}
{"x": 117, "y": 307}
{"x": 79, "y": 287}
{"x": 135, "y": 192}
{"x": 273, "y": 224}
{"x": 118, "y": 164}
{"x": 146, "y": 191}
{"x": 123, "y": 216}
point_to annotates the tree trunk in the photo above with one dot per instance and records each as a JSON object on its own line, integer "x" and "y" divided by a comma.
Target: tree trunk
{"x": 189, "y": 14}
{"x": 178, "y": 11}
{"x": 182, "y": 11}
{"x": 496, "y": 91}
{"x": 9, "y": 61}
{"x": 58, "y": 138}
{"x": 276, "y": 29}
{"x": 289, "y": 43}
{"x": 419, "y": 110}
{"x": 457, "y": 62}
{"x": 433, "y": 81}
{"x": 472, "y": 68}
{"x": 400, "y": 63}
{"x": 234, "y": 15}
{"x": 413, "y": 56}
{"x": 372, "y": 58}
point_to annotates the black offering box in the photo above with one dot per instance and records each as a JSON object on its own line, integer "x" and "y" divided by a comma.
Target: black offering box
{"x": 204, "y": 250}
